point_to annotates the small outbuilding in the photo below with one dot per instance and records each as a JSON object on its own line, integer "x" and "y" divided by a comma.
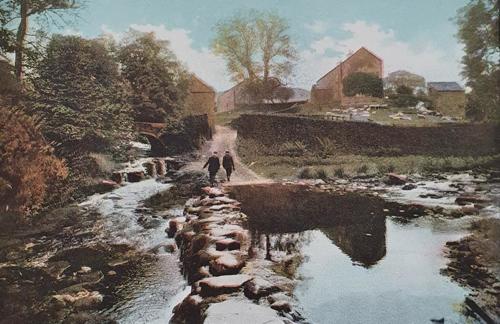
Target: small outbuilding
{"x": 448, "y": 98}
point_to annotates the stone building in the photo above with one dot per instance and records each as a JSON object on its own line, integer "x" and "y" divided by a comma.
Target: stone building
{"x": 233, "y": 98}
{"x": 329, "y": 88}
{"x": 448, "y": 98}
{"x": 200, "y": 99}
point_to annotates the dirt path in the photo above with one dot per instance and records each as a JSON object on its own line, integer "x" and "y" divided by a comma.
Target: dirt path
{"x": 225, "y": 139}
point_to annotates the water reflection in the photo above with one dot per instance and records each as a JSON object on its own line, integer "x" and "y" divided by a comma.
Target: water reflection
{"x": 353, "y": 222}
{"x": 364, "y": 242}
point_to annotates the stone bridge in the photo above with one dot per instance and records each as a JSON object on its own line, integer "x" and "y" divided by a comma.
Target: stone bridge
{"x": 154, "y": 132}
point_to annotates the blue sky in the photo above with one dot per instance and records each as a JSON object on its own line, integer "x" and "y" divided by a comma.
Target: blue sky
{"x": 414, "y": 35}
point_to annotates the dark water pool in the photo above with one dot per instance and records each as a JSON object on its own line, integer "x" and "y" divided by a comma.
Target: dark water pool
{"x": 358, "y": 265}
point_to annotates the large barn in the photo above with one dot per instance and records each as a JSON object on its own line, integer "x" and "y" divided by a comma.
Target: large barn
{"x": 328, "y": 89}
{"x": 200, "y": 99}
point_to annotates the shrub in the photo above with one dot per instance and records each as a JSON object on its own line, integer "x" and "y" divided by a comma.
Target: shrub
{"x": 326, "y": 146}
{"x": 363, "y": 83}
{"x": 296, "y": 148}
{"x": 363, "y": 169}
{"x": 339, "y": 173}
{"x": 306, "y": 173}
{"x": 28, "y": 169}
{"x": 321, "y": 174}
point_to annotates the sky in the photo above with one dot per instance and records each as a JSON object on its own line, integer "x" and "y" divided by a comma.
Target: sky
{"x": 414, "y": 35}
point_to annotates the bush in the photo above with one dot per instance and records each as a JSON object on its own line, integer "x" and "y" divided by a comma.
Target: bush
{"x": 363, "y": 83}
{"x": 363, "y": 169}
{"x": 28, "y": 169}
{"x": 326, "y": 146}
{"x": 339, "y": 173}
{"x": 321, "y": 174}
{"x": 306, "y": 173}
{"x": 296, "y": 148}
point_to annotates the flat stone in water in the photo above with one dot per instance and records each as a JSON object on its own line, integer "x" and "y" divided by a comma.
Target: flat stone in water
{"x": 223, "y": 284}
{"x": 242, "y": 312}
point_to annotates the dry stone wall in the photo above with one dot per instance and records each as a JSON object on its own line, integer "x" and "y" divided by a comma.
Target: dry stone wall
{"x": 370, "y": 138}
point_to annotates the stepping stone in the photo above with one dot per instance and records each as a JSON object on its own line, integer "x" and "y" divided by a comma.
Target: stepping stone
{"x": 242, "y": 312}
{"x": 215, "y": 286}
{"x": 227, "y": 264}
{"x": 227, "y": 244}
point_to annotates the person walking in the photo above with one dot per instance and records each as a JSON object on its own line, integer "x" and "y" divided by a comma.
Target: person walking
{"x": 228, "y": 164}
{"x": 213, "y": 167}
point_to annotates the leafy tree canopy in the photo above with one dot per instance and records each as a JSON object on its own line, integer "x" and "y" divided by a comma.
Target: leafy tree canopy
{"x": 478, "y": 30}
{"x": 81, "y": 97}
{"x": 257, "y": 47}
{"x": 158, "y": 80}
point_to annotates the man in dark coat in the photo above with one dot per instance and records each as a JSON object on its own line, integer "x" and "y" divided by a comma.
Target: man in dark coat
{"x": 228, "y": 164}
{"x": 213, "y": 167}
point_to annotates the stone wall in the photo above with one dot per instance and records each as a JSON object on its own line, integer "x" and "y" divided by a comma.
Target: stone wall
{"x": 369, "y": 138}
{"x": 449, "y": 103}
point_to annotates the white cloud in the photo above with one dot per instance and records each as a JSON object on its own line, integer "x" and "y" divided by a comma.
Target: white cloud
{"x": 317, "y": 26}
{"x": 202, "y": 62}
{"x": 435, "y": 64}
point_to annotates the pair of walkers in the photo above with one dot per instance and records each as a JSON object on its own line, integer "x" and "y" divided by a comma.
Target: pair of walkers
{"x": 213, "y": 164}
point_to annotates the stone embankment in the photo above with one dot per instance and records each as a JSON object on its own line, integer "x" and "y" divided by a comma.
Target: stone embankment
{"x": 230, "y": 282}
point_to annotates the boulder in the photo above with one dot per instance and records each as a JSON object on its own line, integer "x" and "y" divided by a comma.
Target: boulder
{"x": 394, "y": 179}
{"x": 282, "y": 306}
{"x": 227, "y": 244}
{"x": 117, "y": 177}
{"x": 136, "y": 176}
{"x": 470, "y": 199}
{"x": 161, "y": 168}
{"x": 226, "y": 264}
{"x": 214, "y": 286}
{"x": 258, "y": 288}
{"x": 409, "y": 186}
{"x": 150, "y": 168}
{"x": 240, "y": 311}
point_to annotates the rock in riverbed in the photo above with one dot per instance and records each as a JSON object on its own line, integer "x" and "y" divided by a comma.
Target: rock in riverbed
{"x": 214, "y": 286}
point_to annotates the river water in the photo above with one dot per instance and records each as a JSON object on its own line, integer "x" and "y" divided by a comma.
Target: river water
{"x": 358, "y": 265}
{"x": 403, "y": 286}
{"x": 149, "y": 295}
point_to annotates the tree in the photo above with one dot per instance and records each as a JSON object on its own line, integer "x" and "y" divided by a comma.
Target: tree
{"x": 404, "y": 78}
{"x": 363, "y": 83}
{"x": 80, "y": 95}
{"x": 28, "y": 168}
{"x": 17, "y": 13}
{"x": 159, "y": 82}
{"x": 478, "y": 30}
{"x": 257, "y": 48}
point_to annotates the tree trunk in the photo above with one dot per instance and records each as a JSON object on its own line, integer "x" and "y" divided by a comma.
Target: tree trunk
{"x": 20, "y": 38}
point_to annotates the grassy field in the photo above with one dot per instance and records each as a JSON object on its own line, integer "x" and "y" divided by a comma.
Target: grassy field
{"x": 225, "y": 118}
{"x": 310, "y": 165}
{"x": 380, "y": 116}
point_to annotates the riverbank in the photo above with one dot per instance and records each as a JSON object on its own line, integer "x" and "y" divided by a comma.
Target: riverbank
{"x": 73, "y": 264}
{"x": 474, "y": 263}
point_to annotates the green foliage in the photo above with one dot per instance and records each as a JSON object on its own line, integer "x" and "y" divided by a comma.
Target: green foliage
{"x": 159, "y": 82}
{"x": 363, "y": 169}
{"x": 326, "y": 146}
{"x": 404, "y": 90}
{"x": 479, "y": 32}
{"x": 257, "y": 48}
{"x": 408, "y": 79}
{"x": 339, "y": 173}
{"x": 80, "y": 96}
{"x": 296, "y": 148}
{"x": 321, "y": 174}
{"x": 363, "y": 83}
{"x": 306, "y": 173}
